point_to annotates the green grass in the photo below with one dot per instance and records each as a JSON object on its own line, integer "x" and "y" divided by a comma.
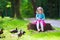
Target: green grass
{"x": 9, "y": 23}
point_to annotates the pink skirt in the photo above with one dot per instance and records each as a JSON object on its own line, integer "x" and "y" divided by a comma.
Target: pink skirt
{"x": 44, "y": 24}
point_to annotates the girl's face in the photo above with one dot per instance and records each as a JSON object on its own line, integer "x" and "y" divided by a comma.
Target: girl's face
{"x": 40, "y": 11}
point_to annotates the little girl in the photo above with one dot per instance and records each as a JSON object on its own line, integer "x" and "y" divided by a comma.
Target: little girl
{"x": 40, "y": 18}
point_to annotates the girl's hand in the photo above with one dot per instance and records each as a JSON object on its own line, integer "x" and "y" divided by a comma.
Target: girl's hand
{"x": 39, "y": 19}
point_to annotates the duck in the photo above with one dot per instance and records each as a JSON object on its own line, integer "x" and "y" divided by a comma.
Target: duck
{"x": 24, "y": 32}
{"x": 1, "y": 31}
{"x": 14, "y": 31}
{"x": 21, "y": 33}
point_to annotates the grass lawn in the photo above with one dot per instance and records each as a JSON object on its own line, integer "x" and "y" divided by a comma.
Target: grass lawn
{"x": 9, "y": 24}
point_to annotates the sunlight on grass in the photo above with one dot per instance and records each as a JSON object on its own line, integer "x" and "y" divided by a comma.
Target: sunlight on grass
{"x": 41, "y": 36}
{"x": 9, "y": 24}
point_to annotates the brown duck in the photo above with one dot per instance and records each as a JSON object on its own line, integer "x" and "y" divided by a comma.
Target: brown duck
{"x": 14, "y": 31}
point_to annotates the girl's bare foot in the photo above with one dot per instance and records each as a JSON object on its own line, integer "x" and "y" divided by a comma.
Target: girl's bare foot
{"x": 42, "y": 30}
{"x": 38, "y": 30}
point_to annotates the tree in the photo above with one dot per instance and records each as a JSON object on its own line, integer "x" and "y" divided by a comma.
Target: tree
{"x": 34, "y": 6}
{"x": 26, "y": 9}
{"x": 53, "y": 8}
{"x": 15, "y": 5}
{"x": 3, "y": 4}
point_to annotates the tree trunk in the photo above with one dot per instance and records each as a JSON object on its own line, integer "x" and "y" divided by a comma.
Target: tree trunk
{"x": 15, "y": 8}
{"x": 1, "y": 13}
{"x": 59, "y": 7}
{"x": 34, "y": 6}
{"x": 18, "y": 9}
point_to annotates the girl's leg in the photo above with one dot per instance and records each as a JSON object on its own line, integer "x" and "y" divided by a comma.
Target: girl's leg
{"x": 42, "y": 27}
{"x": 37, "y": 25}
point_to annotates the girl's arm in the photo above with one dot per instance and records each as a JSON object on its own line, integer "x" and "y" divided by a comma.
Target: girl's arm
{"x": 43, "y": 17}
{"x": 37, "y": 16}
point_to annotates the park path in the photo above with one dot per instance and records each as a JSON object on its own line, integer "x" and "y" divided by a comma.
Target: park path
{"x": 53, "y": 22}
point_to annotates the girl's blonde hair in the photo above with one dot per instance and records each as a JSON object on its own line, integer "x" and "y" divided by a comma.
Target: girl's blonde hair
{"x": 39, "y": 8}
